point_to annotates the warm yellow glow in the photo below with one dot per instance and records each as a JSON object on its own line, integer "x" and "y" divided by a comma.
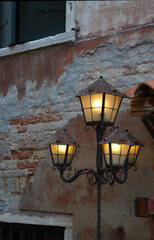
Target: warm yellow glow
{"x": 97, "y": 104}
{"x": 116, "y": 148}
{"x": 62, "y": 149}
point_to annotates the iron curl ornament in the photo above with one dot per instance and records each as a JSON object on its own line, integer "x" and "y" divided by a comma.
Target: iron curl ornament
{"x": 116, "y": 153}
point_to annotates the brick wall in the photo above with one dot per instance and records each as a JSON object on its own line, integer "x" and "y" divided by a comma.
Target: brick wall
{"x": 36, "y": 103}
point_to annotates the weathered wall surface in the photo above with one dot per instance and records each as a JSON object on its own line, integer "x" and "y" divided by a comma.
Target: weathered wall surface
{"x": 37, "y": 98}
{"x": 107, "y": 17}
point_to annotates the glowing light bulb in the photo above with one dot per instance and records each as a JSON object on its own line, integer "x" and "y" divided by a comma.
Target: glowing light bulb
{"x": 62, "y": 149}
{"x": 97, "y": 104}
{"x": 116, "y": 148}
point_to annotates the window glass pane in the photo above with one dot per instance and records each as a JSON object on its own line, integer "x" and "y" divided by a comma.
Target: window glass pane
{"x": 8, "y": 23}
{"x": 5, "y": 232}
{"x": 15, "y": 233}
{"x": 27, "y": 233}
{"x": 39, "y": 234}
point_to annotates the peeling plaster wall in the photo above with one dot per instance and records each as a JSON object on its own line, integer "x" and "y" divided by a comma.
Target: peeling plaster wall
{"x": 107, "y": 17}
{"x": 37, "y": 98}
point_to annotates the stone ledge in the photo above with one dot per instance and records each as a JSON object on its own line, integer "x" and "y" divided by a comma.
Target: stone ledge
{"x": 54, "y": 219}
{"x": 40, "y": 43}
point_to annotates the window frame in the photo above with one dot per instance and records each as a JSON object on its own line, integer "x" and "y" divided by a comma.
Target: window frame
{"x": 44, "y": 219}
{"x": 67, "y": 36}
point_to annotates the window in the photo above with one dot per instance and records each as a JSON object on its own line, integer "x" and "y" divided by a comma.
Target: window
{"x": 23, "y": 21}
{"x": 14, "y": 231}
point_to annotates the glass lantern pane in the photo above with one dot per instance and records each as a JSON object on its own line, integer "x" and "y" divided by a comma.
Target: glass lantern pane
{"x": 96, "y": 104}
{"x": 86, "y": 103}
{"x": 55, "y": 158}
{"x": 107, "y": 158}
{"x": 109, "y": 101}
{"x": 61, "y": 159}
{"x": 71, "y": 150}
{"x": 107, "y": 114}
{"x": 116, "y": 148}
{"x": 114, "y": 112}
{"x": 105, "y": 147}
{"x": 54, "y": 149}
{"x": 96, "y": 100}
{"x": 96, "y": 114}
{"x": 132, "y": 150}
{"x": 115, "y": 159}
{"x": 62, "y": 149}
{"x": 137, "y": 149}
{"x": 124, "y": 149}
{"x": 117, "y": 102}
{"x": 122, "y": 160}
{"x": 131, "y": 159}
{"x": 88, "y": 115}
{"x": 69, "y": 159}
{"x": 133, "y": 154}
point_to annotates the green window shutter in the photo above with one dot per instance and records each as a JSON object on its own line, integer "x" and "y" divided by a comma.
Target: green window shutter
{"x": 39, "y": 19}
{"x": 7, "y": 23}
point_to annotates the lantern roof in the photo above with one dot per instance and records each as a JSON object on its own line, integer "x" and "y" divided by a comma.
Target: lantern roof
{"x": 100, "y": 86}
{"x": 116, "y": 136}
{"x": 64, "y": 139}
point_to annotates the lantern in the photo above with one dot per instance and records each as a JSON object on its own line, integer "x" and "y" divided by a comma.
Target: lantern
{"x": 100, "y": 103}
{"x": 120, "y": 149}
{"x": 62, "y": 148}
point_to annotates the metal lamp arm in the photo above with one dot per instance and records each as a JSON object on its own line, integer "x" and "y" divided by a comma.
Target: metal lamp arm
{"x": 91, "y": 175}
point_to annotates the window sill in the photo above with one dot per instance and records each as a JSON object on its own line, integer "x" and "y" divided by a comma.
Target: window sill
{"x": 40, "y": 43}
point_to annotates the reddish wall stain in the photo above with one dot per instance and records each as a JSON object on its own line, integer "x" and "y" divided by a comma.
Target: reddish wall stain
{"x": 48, "y": 64}
{"x": 87, "y": 233}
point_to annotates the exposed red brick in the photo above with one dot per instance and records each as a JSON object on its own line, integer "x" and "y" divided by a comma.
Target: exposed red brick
{"x": 31, "y": 171}
{"x": 29, "y": 120}
{"x": 14, "y": 122}
{"x": 33, "y": 120}
{"x": 7, "y": 158}
{"x": 26, "y": 164}
{"x": 51, "y": 117}
{"x": 21, "y": 154}
{"x": 22, "y": 129}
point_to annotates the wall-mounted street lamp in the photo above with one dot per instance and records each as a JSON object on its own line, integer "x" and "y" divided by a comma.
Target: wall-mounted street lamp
{"x": 115, "y": 154}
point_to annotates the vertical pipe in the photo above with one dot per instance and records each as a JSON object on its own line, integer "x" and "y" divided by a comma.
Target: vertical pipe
{"x": 98, "y": 209}
{"x": 99, "y": 134}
